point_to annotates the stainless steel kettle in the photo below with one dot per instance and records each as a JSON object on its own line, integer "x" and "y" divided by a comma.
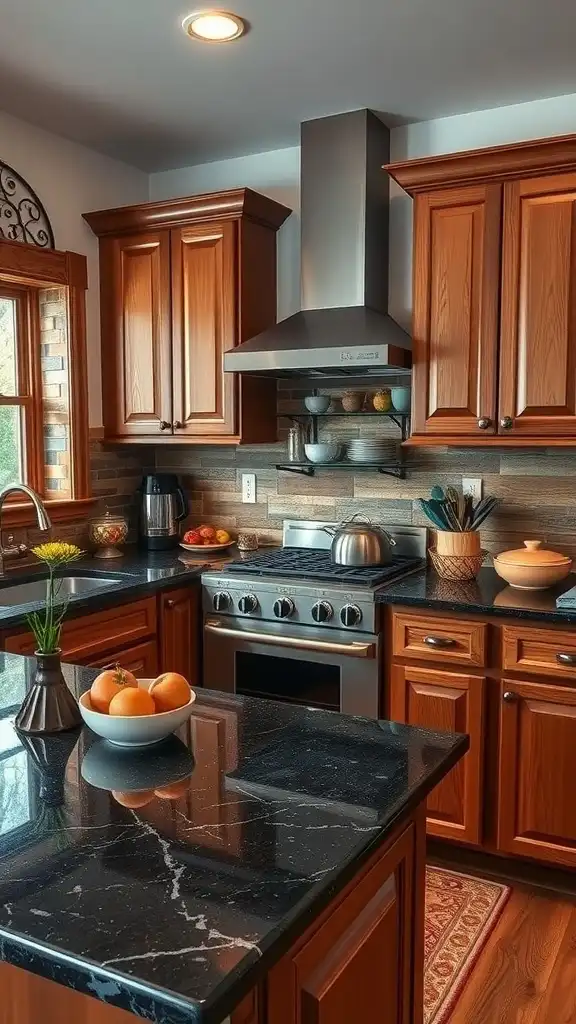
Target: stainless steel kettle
{"x": 357, "y": 542}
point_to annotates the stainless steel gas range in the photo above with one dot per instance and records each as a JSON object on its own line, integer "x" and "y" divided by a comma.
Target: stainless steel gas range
{"x": 289, "y": 625}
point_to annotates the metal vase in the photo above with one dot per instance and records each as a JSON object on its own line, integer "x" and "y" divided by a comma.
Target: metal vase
{"x": 48, "y": 707}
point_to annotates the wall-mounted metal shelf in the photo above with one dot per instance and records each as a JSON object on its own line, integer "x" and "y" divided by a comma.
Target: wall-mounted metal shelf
{"x": 400, "y": 419}
{"x": 396, "y": 469}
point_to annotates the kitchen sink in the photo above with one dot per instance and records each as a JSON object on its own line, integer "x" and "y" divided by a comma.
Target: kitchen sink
{"x": 68, "y": 586}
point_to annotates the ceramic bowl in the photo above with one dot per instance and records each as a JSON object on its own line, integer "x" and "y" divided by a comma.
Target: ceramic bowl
{"x": 400, "y": 399}
{"x": 317, "y": 403}
{"x": 532, "y": 577}
{"x": 138, "y": 730}
{"x": 323, "y": 451}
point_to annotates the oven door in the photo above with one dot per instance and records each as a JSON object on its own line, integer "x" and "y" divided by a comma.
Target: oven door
{"x": 333, "y": 669}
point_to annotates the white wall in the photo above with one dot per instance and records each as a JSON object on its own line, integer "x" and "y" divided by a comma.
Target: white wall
{"x": 276, "y": 174}
{"x": 495, "y": 127}
{"x": 71, "y": 180}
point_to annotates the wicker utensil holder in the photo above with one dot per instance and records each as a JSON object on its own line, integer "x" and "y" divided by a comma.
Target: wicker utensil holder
{"x": 457, "y": 568}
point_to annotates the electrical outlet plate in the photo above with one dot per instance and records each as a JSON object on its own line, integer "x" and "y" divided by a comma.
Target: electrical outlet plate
{"x": 472, "y": 486}
{"x": 249, "y": 488}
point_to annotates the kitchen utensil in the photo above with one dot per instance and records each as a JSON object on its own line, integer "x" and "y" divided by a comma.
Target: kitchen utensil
{"x": 163, "y": 504}
{"x": 358, "y": 542}
{"x": 317, "y": 404}
{"x": 296, "y": 442}
{"x": 453, "y": 511}
{"x": 106, "y": 532}
{"x": 482, "y": 511}
{"x": 532, "y": 567}
{"x": 352, "y": 401}
{"x": 400, "y": 399}
{"x": 432, "y": 515}
{"x": 458, "y": 568}
{"x": 137, "y": 730}
{"x": 322, "y": 451}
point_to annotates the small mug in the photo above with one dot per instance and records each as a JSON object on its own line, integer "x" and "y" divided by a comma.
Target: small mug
{"x": 247, "y": 540}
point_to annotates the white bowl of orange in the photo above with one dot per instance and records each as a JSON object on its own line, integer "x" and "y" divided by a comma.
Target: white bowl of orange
{"x": 130, "y": 712}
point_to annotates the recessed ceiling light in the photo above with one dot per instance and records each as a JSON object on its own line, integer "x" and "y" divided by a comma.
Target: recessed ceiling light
{"x": 214, "y": 26}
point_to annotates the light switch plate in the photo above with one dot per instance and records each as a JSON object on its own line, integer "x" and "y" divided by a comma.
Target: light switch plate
{"x": 472, "y": 486}
{"x": 249, "y": 488}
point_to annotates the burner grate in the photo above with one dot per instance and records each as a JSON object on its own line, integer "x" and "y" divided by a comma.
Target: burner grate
{"x": 309, "y": 564}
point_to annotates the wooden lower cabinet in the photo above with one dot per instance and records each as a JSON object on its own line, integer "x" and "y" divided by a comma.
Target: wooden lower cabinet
{"x": 537, "y": 766}
{"x": 447, "y": 702}
{"x": 358, "y": 964}
{"x": 180, "y": 633}
{"x": 142, "y": 660}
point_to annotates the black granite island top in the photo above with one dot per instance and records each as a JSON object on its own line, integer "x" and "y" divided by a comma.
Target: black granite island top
{"x": 248, "y": 826}
{"x": 488, "y": 594}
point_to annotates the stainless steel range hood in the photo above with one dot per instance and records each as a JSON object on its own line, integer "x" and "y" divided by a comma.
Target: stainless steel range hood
{"x": 343, "y": 328}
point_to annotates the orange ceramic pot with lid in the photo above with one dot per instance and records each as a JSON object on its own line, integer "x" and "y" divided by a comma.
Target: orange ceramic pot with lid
{"x": 532, "y": 567}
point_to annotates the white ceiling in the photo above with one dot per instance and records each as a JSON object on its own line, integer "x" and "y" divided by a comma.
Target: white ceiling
{"x": 121, "y": 77}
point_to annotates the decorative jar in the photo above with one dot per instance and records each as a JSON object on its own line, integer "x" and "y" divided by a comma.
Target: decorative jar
{"x": 106, "y": 532}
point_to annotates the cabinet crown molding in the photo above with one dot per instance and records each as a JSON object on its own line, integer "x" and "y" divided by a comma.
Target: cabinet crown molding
{"x": 498, "y": 163}
{"x": 212, "y": 206}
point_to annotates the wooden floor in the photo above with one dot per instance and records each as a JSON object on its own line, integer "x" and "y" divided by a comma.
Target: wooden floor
{"x": 527, "y": 972}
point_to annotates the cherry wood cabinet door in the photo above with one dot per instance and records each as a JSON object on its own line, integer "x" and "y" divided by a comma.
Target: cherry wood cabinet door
{"x": 359, "y": 964}
{"x": 536, "y": 806}
{"x": 538, "y": 319}
{"x": 180, "y": 633}
{"x": 455, "y": 321}
{"x": 447, "y": 702}
{"x": 142, "y": 660}
{"x": 203, "y": 327}
{"x": 136, "y": 355}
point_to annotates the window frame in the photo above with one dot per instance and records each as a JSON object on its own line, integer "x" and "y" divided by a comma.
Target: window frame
{"x": 24, "y": 269}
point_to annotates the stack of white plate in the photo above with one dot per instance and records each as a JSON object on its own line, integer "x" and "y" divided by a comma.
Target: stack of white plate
{"x": 370, "y": 450}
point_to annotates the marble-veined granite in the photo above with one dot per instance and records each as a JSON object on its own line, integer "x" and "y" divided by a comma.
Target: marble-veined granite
{"x": 174, "y": 909}
{"x": 488, "y": 594}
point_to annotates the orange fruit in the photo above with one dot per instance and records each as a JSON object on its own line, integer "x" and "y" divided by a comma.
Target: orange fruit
{"x": 174, "y": 790}
{"x": 170, "y": 691}
{"x": 133, "y": 800}
{"x": 132, "y": 701}
{"x": 107, "y": 685}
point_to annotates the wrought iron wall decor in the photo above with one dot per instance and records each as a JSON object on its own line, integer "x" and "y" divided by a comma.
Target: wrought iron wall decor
{"x": 22, "y": 216}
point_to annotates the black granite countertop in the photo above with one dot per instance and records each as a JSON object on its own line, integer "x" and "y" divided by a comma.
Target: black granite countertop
{"x": 489, "y": 594}
{"x": 248, "y": 825}
{"x": 137, "y": 574}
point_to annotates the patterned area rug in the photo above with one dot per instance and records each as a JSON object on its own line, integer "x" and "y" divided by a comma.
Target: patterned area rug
{"x": 461, "y": 911}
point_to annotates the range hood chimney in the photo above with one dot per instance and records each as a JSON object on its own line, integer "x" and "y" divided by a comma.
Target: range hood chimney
{"x": 343, "y": 328}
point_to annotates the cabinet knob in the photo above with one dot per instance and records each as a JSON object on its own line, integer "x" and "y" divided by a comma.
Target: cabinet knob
{"x": 566, "y": 659}
{"x": 506, "y": 422}
{"x": 484, "y": 422}
{"x": 439, "y": 641}
{"x": 509, "y": 696}
{"x": 170, "y": 603}
{"x": 164, "y": 425}
{"x": 177, "y": 425}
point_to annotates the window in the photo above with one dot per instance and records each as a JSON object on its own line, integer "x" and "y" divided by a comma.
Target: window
{"x": 43, "y": 387}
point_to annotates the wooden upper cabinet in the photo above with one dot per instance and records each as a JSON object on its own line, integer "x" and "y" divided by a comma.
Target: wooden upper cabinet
{"x": 136, "y": 351}
{"x": 182, "y": 281}
{"x": 455, "y": 326}
{"x": 203, "y": 319}
{"x": 538, "y": 334}
{"x": 536, "y": 809}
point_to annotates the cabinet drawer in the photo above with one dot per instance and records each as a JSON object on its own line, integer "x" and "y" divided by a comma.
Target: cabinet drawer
{"x": 142, "y": 660}
{"x": 102, "y": 632}
{"x": 547, "y": 652}
{"x": 429, "y": 638}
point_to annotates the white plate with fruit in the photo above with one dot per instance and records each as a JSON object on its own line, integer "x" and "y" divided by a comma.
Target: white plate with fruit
{"x": 130, "y": 712}
{"x": 206, "y": 538}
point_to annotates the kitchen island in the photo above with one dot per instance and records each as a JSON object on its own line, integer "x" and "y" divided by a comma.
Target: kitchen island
{"x": 268, "y": 863}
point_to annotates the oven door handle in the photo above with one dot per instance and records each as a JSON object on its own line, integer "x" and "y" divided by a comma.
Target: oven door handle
{"x": 353, "y": 650}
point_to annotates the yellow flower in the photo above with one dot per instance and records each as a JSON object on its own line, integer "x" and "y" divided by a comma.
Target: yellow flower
{"x": 57, "y": 552}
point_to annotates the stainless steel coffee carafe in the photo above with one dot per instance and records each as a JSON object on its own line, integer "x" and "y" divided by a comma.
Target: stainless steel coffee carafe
{"x": 163, "y": 505}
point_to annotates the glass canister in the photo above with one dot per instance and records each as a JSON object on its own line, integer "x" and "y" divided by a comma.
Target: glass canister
{"x": 105, "y": 532}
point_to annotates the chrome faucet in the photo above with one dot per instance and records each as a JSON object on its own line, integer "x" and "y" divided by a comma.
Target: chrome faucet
{"x": 44, "y": 523}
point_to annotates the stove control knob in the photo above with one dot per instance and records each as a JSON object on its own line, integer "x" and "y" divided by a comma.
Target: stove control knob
{"x": 283, "y": 607}
{"x": 221, "y": 601}
{"x": 350, "y": 615}
{"x": 322, "y": 611}
{"x": 248, "y": 603}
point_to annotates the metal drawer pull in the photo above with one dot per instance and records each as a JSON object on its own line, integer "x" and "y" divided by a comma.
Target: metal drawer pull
{"x": 509, "y": 696}
{"x": 566, "y": 659}
{"x": 353, "y": 650}
{"x": 439, "y": 641}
